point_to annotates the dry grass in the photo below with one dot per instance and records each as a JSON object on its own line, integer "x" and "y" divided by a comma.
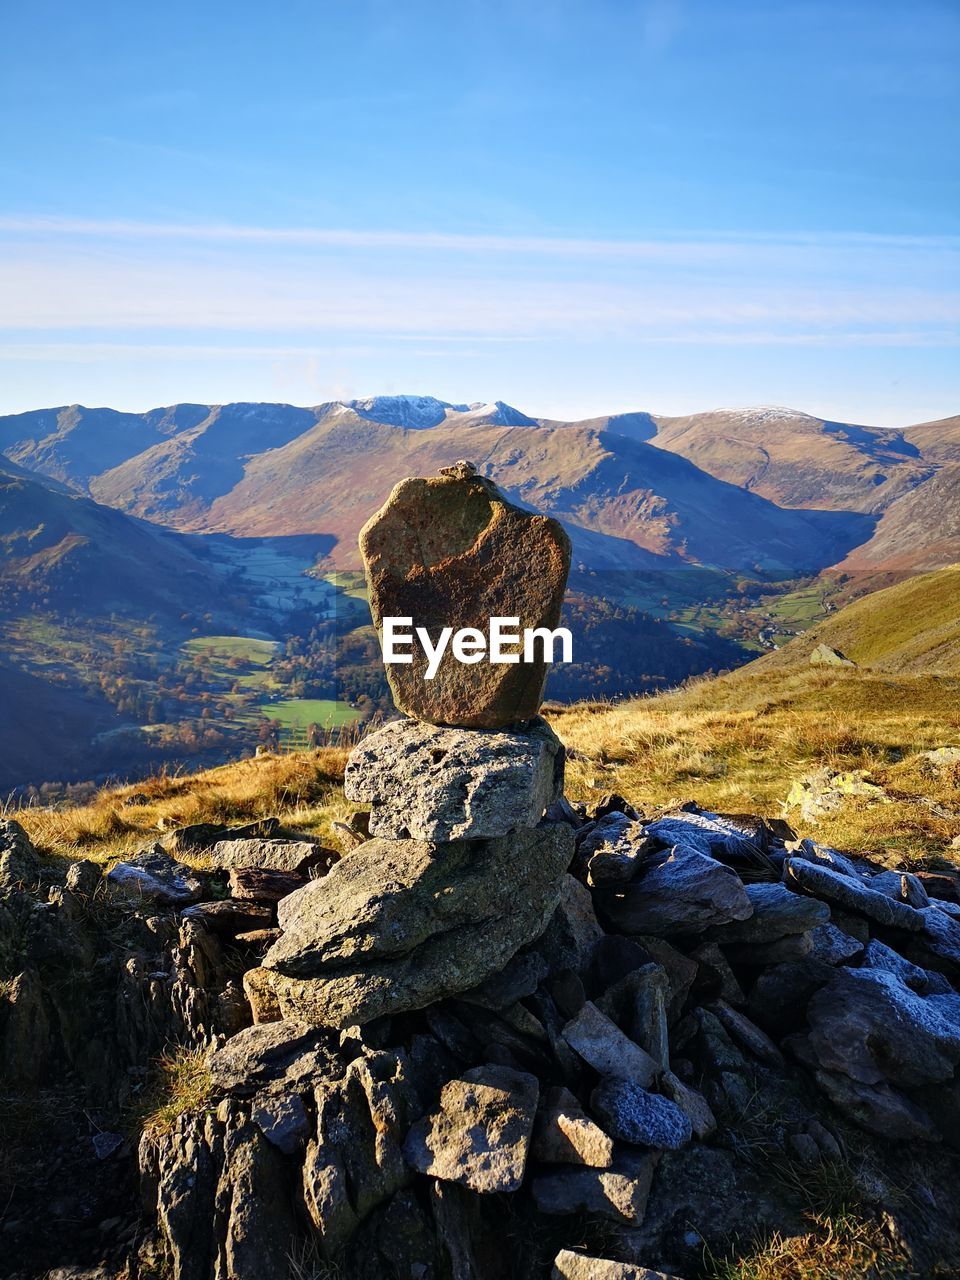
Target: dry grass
{"x": 738, "y": 743}
{"x": 180, "y": 1086}
{"x": 841, "y": 1247}
{"x": 302, "y": 788}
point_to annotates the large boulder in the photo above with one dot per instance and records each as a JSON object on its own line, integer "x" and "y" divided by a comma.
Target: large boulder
{"x": 400, "y": 924}
{"x": 451, "y": 551}
{"x": 429, "y": 783}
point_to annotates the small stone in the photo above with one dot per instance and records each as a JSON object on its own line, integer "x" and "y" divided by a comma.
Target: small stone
{"x": 638, "y": 1004}
{"x": 685, "y": 893}
{"x": 804, "y": 1149}
{"x": 712, "y": 834}
{"x": 632, "y": 1114}
{"x": 565, "y": 1134}
{"x": 619, "y": 1193}
{"x": 105, "y": 1144}
{"x": 84, "y": 877}
{"x": 615, "y": 849}
{"x": 715, "y": 975}
{"x": 855, "y": 896}
{"x": 156, "y": 877}
{"x": 452, "y": 551}
{"x": 924, "y": 982}
{"x": 878, "y": 1108}
{"x": 258, "y": 884}
{"x": 603, "y": 1046}
{"x": 281, "y": 1057}
{"x": 230, "y": 917}
{"x": 748, "y": 1034}
{"x": 902, "y": 887}
{"x": 258, "y": 988}
{"x": 578, "y": 1266}
{"x": 692, "y": 1103}
{"x": 777, "y": 913}
{"x": 282, "y": 1121}
{"x": 429, "y": 783}
{"x": 832, "y": 945}
{"x": 480, "y": 1136}
{"x": 271, "y": 855}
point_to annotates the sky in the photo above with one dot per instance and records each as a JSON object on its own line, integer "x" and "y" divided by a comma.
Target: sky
{"x": 575, "y": 206}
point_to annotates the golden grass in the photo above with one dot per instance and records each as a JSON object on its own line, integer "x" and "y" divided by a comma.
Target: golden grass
{"x": 844, "y": 1246}
{"x": 302, "y": 788}
{"x": 738, "y": 743}
{"x": 181, "y": 1086}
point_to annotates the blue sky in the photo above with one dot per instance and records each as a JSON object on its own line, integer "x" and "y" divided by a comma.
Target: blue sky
{"x": 576, "y": 207}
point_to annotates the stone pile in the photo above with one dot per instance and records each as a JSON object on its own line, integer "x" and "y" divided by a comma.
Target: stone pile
{"x": 505, "y": 1035}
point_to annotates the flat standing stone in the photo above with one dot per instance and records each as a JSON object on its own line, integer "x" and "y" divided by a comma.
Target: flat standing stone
{"x": 424, "y": 782}
{"x": 480, "y": 1135}
{"x": 451, "y": 551}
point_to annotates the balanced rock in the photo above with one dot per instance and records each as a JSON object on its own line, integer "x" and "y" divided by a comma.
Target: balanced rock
{"x": 429, "y": 783}
{"x": 400, "y": 924}
{"x": 480, "y": 1134}
{"x": 451, "y": 551}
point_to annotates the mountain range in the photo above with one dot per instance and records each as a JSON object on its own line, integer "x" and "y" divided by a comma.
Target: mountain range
{"x": 123, "y": 535}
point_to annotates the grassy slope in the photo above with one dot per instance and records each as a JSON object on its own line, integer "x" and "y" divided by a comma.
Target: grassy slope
{"x": 736, "y": 743}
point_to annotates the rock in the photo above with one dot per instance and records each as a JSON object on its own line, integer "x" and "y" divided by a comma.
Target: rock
{"x": 257, "y": 884}
{"x": 941, "y": 937}
{"x": 156, "y": 877}
{"x": 869, "y": 1025}
{"x": 692, "y": 1103}
{"x": 941, "y": 887}
{"x": 632, "y": 1114}
{"x": 821, "y": 882}
{"x": 603, "y": 1046}
{"x": 638, "y": 1004}
{"x": 270, "y": 855}
{"x": 924, "y": 982}
{"x": 356, "y": 1163}
{"x": 777, "y": 913}
{"x": 832, "y": 945}
{"x": 26, "y": 1031}
{"x": 400, "y": 924}
{"x": 429, "y": 783}
{"x": 258, "y": 988}
{"x": 825, "y": 791}
{"x": 282, "y": 1121}
{"x": 825, "y": 656}
{"x": 84, "y": 877}
{"x": 614, "y": 849}
{"x": 902, "y": 886}
{"x": 747, "y": 1034}
{"x": 451, "y": 551}
{"x": 680, "y": 969}
{"x": 619, "y": 1193}
{"x": 711, "y": 835}
{"x": 519, "y": 978}
{"x": 820, "y": 854}
{"x": 573, "y": 934}
{"x": 229, "y": 916}
{"x": 275, "y": 1057}
{"x": 685, "y": 893}
{"x": 202, "y": 835}
{"x": 761, "y": 955}
{"x": 480, "y": 1136}
{"x": 778, "y": 998}
{"x": 715, "y": 976}
{"x": 258, "y": 939}
{"x": 565, "y": 1134}
{"x": 878, "y": 1108}
{"x": 19, "y": 864}
{"x": 803, "y": 1149}
{"x": 578, "y": 1266}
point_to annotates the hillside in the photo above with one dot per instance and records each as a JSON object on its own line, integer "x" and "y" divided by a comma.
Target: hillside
{"x": 910, "y": 628}
{"x": 798, "y": 460}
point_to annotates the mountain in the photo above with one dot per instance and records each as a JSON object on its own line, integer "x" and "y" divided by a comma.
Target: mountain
{"x": 797, "y": 460}
{"x": 269, "y": 470}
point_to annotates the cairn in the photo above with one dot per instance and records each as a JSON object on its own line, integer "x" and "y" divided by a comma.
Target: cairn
{"x": 461, "y": 872}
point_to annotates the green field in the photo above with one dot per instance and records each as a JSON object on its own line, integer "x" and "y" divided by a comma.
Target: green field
{"x": 258, "y": 653}
{"x": 296, "y": 715}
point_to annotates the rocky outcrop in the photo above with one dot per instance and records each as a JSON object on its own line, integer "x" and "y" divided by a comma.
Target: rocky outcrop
{"x": 452, "y": 551}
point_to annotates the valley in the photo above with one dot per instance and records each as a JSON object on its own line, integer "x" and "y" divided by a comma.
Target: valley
{"x": 182, "y": 586}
